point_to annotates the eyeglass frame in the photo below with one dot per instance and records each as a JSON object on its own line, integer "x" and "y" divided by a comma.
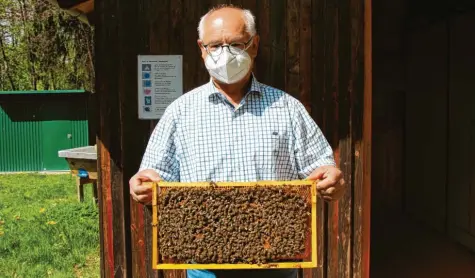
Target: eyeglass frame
{"x": 246, "y": 46}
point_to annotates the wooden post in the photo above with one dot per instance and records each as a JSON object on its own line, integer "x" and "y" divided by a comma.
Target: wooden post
{"x": 121, "y": 137}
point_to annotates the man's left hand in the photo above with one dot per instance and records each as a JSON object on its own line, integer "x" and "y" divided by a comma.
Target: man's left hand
{"x": 331, "y": 184}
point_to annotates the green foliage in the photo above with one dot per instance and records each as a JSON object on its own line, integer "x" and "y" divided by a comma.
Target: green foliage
{"x": 44, "y": 230}
{"x": 43, "y": 48}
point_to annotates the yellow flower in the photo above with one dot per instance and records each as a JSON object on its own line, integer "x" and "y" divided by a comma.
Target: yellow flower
{"x": 42, "y": 210}
{"x": 51, "y": 223}
{"x": 2, "y": 233}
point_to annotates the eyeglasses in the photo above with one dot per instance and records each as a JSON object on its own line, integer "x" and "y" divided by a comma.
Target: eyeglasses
{"x": 234, "y": 48}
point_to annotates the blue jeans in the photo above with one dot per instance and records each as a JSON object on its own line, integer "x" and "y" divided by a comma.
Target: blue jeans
{"x": 245, "y": 273}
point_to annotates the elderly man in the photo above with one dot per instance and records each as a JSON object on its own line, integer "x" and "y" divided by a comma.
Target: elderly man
{"x": 235, "y": 128}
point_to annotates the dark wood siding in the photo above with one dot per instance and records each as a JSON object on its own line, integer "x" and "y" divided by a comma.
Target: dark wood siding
{"x": 426, "y": 124}
{"x": 440, "y": 129}
{"x": 461, "y": 177}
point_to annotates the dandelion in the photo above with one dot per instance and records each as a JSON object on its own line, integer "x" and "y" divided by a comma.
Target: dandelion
{"x": 2, "y": 233}
{"x": 42, "y": 210}
{"x": 51, "y": 222}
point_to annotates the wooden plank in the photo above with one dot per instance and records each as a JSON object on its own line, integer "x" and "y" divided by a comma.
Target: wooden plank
{"x": 331, "y": 121}
{"x": 106, "y": 45}
{"x": 461, "y": 179}
{"x": 427, "y": 88}
{"x": 201, "y": 75}
{"x": 138, "y": 224}
{"x": 176, "y": 46}
{"x": 176, "y": 33}
{"x": 99, "y": 45}
{"x": 292, "y": 53}
{"x": 305, "y": 85}
{"x": 191, "y": 53}
{"x": 151, "y": 28}
{"x": 159, "y": 22}
{"x": 305, "y": 52}
{"x": 277, "y": 32}
{"x": 459, "y": 138}
{"x": 131, "y": 146}
{"x": 317, "y": 98}
{"x": 361, "y": 91}
{"x": 263, "y": 56}
{"x": 237, "y": 3}
{"x": 164, "y": 23}
{"x": 175, "y": 274}
{"x": 346, "y": 99}
{"x": 252, "y": 6}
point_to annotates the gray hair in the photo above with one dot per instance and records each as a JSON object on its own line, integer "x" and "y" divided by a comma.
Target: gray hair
{"x": 249, "y": 20}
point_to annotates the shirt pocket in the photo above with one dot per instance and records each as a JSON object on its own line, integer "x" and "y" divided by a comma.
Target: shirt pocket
{"x": 272, "y": 155}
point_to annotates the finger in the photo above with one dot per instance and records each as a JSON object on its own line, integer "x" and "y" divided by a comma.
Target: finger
{"x": 317, "y": 174}
{"x": 326, "y": 183}
{"x": 142, "y": 189}
{"x": 329, "y": 191}
{"x": 133, "y": 195}
{"x": 332, "y": 198}
{"x": 148, "y": 175}
{"x": 328, "y": 198}
{"x": 336, "y": 195}
{"x": 144, "y": 198}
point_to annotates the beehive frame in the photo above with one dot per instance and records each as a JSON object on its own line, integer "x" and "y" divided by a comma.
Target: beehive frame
{"x": 304, "y": 264}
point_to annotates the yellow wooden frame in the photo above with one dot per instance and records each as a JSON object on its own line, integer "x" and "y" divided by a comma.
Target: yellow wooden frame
{"x": 305, "y": 264}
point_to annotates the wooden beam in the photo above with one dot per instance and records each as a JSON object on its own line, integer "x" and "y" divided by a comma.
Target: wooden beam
{"x": 361, "y": 40}
{"x": 121, "y": 137}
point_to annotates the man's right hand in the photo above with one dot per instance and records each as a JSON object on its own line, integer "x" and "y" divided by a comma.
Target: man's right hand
{"x": 140, "y": 192}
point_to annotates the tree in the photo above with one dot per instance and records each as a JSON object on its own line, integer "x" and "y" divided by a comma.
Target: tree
{"x": 43, "y": 48}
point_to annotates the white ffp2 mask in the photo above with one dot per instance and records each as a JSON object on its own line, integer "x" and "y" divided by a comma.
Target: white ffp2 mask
{"x": 227, "y": 67}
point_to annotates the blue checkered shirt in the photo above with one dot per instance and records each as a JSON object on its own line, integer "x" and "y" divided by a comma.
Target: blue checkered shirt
{"x": 268, "y": 136}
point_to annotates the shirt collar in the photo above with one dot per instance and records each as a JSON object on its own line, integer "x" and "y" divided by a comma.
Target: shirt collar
{"x": 255, "y": 87}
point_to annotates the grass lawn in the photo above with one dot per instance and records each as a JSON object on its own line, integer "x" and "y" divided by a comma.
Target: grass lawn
{"x": 44, "y": 230}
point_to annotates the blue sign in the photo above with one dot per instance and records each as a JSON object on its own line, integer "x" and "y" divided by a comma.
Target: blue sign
{"x": 146, "y": 75}
{"x": 147, "y": 83}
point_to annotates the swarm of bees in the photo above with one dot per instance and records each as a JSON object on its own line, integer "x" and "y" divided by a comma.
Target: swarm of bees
{"x": 254, "y": 225}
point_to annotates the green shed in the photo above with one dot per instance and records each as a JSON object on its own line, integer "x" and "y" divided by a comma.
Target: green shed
{"x": 35, "y": 125}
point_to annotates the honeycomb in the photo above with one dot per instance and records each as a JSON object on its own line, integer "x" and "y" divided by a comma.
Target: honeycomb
{"x": 246, "y": 224}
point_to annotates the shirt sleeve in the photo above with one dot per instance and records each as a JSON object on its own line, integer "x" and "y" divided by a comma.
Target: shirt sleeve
{"x": 160, "y": 154}
{"x": 311, "y": 148}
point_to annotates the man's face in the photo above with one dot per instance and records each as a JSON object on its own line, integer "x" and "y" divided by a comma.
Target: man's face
{"x": 226, "y": 26}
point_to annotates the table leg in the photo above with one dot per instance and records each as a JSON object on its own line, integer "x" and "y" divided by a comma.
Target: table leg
{"x": 80, "y": 189}
{"x": 94, "y": 191}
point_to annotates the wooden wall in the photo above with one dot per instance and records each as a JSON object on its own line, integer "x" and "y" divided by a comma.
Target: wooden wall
{"x": 426, "y": 124}
{"x": 439, "y": 184}
{"x": 388, "y": 108}
{"x": 461, "y": 127}
{"x": 317, "y": 50}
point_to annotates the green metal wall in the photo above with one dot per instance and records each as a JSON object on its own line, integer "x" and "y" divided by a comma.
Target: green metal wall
{"x": 33, "y": 128}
